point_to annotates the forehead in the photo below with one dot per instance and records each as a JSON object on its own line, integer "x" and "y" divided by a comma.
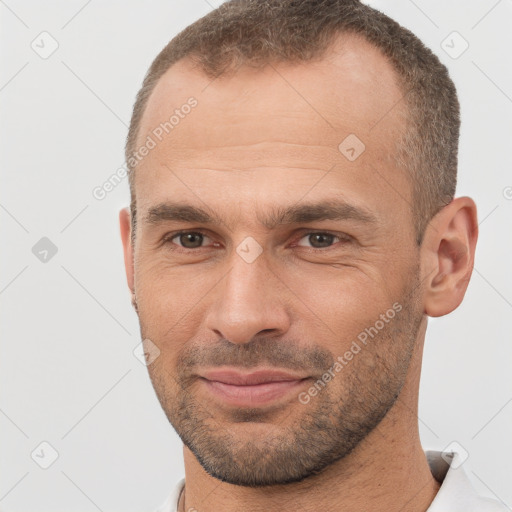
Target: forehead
{"x": 292, "y": 121}
{"x": 352, "y": 86}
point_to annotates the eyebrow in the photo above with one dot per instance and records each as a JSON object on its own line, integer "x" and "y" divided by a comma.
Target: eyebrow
{"x": 295, "y": 214}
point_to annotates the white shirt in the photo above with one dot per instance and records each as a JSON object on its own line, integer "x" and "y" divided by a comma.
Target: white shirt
{"x": 456, "y": 493}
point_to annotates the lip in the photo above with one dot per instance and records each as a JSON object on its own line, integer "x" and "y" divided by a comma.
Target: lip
{"x": 251, "y": 389}
{"x": 237, "y": 378}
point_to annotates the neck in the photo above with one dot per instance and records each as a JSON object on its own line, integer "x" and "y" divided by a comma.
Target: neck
{"x": 388, "y": 471}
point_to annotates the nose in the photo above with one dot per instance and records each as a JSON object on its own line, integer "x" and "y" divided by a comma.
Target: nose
{"x": 249, "y": 301}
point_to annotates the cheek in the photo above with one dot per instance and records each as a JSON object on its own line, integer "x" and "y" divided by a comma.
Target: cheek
{"x": 170, "y": 302}
{"x": 345, "y": 293}
{"x": 354, "y": 306}
{"x": 339, "y": 300}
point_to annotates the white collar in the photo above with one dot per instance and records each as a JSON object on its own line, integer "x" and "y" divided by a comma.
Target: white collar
{"x": 456, "y": 493}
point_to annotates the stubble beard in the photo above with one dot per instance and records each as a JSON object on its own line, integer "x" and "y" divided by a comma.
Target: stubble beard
{"x": 255, "y": 448}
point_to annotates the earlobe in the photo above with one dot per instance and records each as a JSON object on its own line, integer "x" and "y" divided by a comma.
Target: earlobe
{"x": 448, "y": 251}
{"x": 125, "y": 227}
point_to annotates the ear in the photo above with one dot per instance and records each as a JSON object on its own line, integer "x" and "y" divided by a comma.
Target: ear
{"x": 125, "y": 225}
{"x": 447, "y": 255}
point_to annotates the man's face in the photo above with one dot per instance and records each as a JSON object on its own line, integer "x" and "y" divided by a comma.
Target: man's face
{"x": 299, "y": 295}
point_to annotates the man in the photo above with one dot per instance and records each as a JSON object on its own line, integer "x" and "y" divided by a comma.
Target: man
{"x": 292, "y": 226}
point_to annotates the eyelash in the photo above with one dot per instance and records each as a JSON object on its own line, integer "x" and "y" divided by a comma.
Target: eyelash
{"x": 167, "y": 239}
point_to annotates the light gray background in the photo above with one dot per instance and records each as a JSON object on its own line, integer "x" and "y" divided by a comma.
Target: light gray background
{"x": 68, "y": 375}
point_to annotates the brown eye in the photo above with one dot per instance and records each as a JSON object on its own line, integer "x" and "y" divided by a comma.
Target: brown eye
{"x": 191, "y": 240}
{"x": 188, "y": 239}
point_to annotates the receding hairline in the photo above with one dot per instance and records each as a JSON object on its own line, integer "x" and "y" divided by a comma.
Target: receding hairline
{"x": 262, "y": 31}
{"x": 188, "y": 65}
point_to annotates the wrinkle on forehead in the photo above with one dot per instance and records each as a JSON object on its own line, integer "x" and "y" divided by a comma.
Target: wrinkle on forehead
{"x": 353, "y": 89}
{"x": 265, "y": 154}
{"x": 277, "y": 120}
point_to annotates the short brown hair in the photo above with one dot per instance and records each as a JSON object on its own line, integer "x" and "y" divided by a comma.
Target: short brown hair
{"x": 258, "y": 32}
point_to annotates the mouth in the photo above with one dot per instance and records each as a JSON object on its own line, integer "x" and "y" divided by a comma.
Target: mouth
{"x": 251, "y": 389}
